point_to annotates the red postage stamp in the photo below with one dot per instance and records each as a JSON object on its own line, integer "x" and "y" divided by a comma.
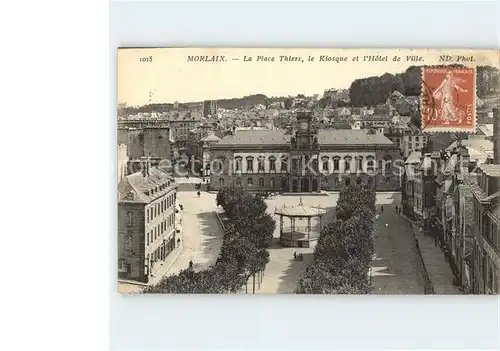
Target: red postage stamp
{"x": 448, "y": 99}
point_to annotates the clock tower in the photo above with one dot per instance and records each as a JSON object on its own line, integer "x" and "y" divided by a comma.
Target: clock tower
{"x": 304, "y": 154}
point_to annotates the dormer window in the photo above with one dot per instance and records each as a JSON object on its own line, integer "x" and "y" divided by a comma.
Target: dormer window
{"x": 130, "y": 196}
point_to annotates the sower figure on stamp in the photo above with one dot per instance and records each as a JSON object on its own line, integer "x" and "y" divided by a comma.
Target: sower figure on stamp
{"x": 444, "y": 93}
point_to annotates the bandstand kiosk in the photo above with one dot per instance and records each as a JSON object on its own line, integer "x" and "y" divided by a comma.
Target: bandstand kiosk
{"x": 299, "y": 234}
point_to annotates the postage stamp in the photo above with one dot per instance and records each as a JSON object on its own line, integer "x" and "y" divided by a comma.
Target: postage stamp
{"x": 448, "y": 99}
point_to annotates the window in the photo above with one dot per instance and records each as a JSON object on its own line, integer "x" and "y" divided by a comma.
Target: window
{"x": 249, "y": 165}
{"x": 147, "y": 215}
{"x": 370, "y": 182}
{"x": 347, "y": 164}
{"x": 250, "y": 182}
{"x": 347, "y": 181}
{"x": 284, "y": 164}
{"x": 358, "y": 180}
{"x": 416, "y": 138}
{"x": 261, "y": 182}
{"x": 272, "y": 164}
{"x": 336, "y": 182}
{"x": 260, "y": 164}
{"x": 325, "y": 164}
{"x": 271, "y": 182}
{"x": 237, "y": 164}
{"x": 147, "y": 240}
{"x": 315, "y": 165}
{"x": 360, "y": 163}
{"x": 161, "y": 207}
{"x": 238, "y": 181}
{"x": 336, "y": 164}
{"x": 388, "y": 163}
{"x": 295, "y": 165}
{"x": 221, "y": 182}
{"x": 370, "y": 164}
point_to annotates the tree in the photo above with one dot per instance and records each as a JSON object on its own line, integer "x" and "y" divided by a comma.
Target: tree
{"x": 344, "y": 251}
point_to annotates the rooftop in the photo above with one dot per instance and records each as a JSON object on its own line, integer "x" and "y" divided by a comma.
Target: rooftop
{"x": 413, "y": 158}
{"x": 300, "y": 211}
{"x": 325, "y": 137}
{"x": 491, "y": 170}
{"x": 144, "y": 189}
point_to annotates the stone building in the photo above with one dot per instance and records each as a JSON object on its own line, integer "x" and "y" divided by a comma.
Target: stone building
{"x": 486, "y": 207}
{"x": 146, "y": 138}
{"x": 204, "y": 145}
{"x": 146, "y": 222}
{"x": 307, "y": 159}
{"x": 181, "y": 123}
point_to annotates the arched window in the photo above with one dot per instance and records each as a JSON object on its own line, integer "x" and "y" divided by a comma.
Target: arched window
{"x": 271, "y": 182}
{"x": 272, "y": 164}
{"x": 370, "y": 182}
{"x": 249, "y": 181}
{"x": 238, "y": 181}
{"x": 221, "y": 182}
{"x": 249, "y": 164}
{"x": 358, "y": 180}
{"x": 336, "y": 182}
{"x": 284, "y": 164}
{"x": 260, "y": 164}
{"x": 261, "y": 182}
{"x": 359, "y": 162}
{"x": 370, "y": 164}
{"x": 237, "y": 164}
{"x": 347, "y": 164}
{"x": 347, "y": 181}
{"x": 388, "y": 163}
{"x": 315, "y": 165}
{"x": 336, "y": 164}
{"x": 325, "y": 161}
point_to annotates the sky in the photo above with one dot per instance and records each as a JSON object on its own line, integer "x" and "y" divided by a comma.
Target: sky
{"x": 169, "y": 74}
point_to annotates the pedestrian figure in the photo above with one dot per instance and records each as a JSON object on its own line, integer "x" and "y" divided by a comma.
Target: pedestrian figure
{"x": 294, "y": 255}
{"x": 198, "y": 193}
{"x": 397, "y": 209}
{"x": 435, "y": 240}
{"x": 381, "y": 208}
{"x": 191, "y": 264}
{"x": 178, "y": 242}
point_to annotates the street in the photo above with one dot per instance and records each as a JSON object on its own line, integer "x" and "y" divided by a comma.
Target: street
{"x": 397, "y": 268}
{"x": 201, "y": 233}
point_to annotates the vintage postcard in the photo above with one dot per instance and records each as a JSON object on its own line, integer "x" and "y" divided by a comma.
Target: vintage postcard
{"x": 308, "y": 171}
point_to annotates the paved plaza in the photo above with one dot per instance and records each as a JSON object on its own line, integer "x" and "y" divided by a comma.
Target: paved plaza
{"x": 396, "y": 267}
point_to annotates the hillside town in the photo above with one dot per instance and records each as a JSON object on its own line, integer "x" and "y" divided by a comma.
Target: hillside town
{"x": 198, "y": 180}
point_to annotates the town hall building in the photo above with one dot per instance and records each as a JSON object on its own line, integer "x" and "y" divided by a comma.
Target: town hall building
{"x": 304, "y": 159}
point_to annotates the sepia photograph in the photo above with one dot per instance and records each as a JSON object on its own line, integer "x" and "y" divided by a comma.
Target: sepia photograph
{"x": 308, "y": 171}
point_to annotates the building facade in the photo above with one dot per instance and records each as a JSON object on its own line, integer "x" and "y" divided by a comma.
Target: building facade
{"x": 146, "y": 222}
{"x": 307, "y": 159}
{"x": 146, "y": 138}
{"x": 486, "y": 207}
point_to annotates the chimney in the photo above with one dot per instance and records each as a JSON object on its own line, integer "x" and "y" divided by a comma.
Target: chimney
{"x": 145, "y": 166}
{"x": 496, "y": 136}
